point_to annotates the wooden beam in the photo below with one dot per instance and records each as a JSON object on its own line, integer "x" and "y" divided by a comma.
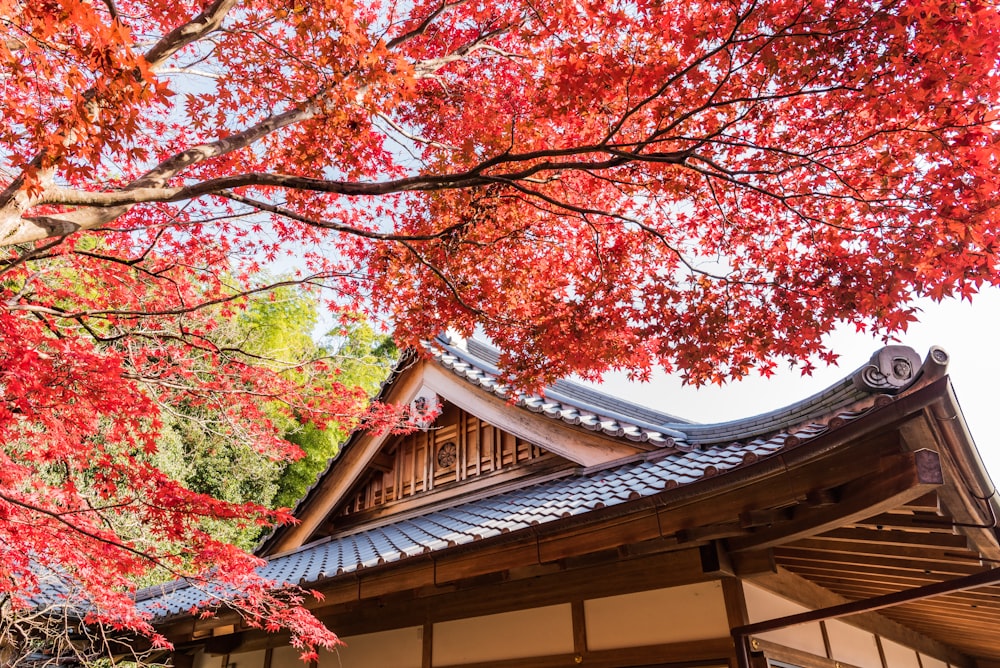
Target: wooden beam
{"x": 712, "y": 532}
{"x": 949, "y": 541}
{"x": 503, "y": 593}
{"x": 911, "y": 551}
{"x": 821, "y": 568}
{"x": 470, "y": 563}
{"x": 928, "y": 503}
{"x": 633, "y": 528}
{"x": 579, "y": 628}
{"x": 898, "y": 480}
{"x": 579, "y": 445}
{"x": 811, "y": 595}
{"x": 908, "y": 521}
{"x": 764, "y": 517}
{"x": 746, "y": 564}
{"x": 427, "y": 646}
{"x": 900, "y": 563}
{"x": 736, "y": 604}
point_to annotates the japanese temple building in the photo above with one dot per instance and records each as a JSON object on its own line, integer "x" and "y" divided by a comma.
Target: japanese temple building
{"x": 856, "y": 527}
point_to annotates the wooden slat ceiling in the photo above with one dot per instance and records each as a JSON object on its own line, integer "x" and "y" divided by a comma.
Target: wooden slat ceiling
{"x": 904, "y": 549}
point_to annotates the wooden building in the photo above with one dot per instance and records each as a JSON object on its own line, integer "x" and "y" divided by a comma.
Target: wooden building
{"x": 581, "y": 530}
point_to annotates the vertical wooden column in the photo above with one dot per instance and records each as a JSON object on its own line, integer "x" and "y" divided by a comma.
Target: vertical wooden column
{"x": 736, "y": 609}
{"x": 579, "y": 629}
{"x": 881, "y": 651}
{"x": 427, "y": 658}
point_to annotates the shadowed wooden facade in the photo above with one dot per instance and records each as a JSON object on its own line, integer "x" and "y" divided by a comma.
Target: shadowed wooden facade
{"x": 577, "y": 529}
{"x": 458, "y": 448}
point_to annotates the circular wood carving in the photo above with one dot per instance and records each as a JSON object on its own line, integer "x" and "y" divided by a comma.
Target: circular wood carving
{"x": 447, "y": 454}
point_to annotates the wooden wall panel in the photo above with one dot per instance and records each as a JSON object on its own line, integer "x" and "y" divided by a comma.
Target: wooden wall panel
{"x": 458, "y": 448}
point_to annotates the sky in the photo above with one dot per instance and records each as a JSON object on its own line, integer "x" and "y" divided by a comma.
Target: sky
{"x": 967, "y": 332}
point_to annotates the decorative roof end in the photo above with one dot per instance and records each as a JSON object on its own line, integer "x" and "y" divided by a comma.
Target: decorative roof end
{"x": 935, "y": 364}
{"x": 890, "y": 370}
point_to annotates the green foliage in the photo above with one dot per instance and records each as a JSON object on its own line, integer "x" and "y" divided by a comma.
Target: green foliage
{"x": 200, "y": 447}
{"x": 363, "y": 358}
{"x": 195, "y": 449}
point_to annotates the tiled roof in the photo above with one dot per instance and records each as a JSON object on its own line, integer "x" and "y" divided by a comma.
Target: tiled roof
{"x": 698, "y": 452}
{"x": 566, "y": 495}
{"x": 592, "y": 409}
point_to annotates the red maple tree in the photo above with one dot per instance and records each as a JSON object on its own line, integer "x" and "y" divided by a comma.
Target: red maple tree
{"x": 708, "y": 186}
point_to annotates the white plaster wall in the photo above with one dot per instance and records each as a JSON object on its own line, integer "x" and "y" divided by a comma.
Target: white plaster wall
{"x": 202, "y": 660}
{"x": 899, "y": 656}
{"x": 763, "y": 605}
{"x": 286, "y": 657}
{"x": 509, "y": 635}
{"x": 852, "y": 645}
{"x": 399, "y": 648}
{"x": 674, "y": 614}
{"x": 931, "y": 662}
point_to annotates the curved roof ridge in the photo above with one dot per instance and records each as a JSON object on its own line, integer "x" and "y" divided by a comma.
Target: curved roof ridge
{"x": 890, "y": 370}
{"x": 486, "y": 357}
{"x": 842, "y": 393}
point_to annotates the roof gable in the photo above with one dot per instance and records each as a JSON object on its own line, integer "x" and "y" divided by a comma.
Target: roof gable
{"x": 457, "y": 454}
{"x": 480, "y": 439}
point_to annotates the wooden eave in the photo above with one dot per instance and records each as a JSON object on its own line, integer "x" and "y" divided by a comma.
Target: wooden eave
{"x": 947, "y": 534}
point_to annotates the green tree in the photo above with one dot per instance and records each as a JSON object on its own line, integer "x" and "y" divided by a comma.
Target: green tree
{"x": 363, "y": 358}
{"x": 210, "y": 454}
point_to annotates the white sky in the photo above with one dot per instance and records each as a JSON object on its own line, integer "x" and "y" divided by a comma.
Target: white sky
{"x": 968, "y": 332}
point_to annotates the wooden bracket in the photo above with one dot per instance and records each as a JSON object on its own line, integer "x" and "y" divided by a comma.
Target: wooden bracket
{"x": 899, "y": 479}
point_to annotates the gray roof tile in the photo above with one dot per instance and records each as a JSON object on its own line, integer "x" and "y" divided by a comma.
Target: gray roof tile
{"x": 575, "y": 494}
{"x": 592, "y": 409}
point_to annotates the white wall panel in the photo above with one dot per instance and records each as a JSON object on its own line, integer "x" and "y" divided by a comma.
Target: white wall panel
{"x": 509, "y": 635}
{"x": 853, "y": 645}
{"x": 763, "y": 605}
{"x": 899, "y": 656}
{"x": 931, "y": 662}
{"x": 674, "y": 614}
{"x": 399, "y": 648}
